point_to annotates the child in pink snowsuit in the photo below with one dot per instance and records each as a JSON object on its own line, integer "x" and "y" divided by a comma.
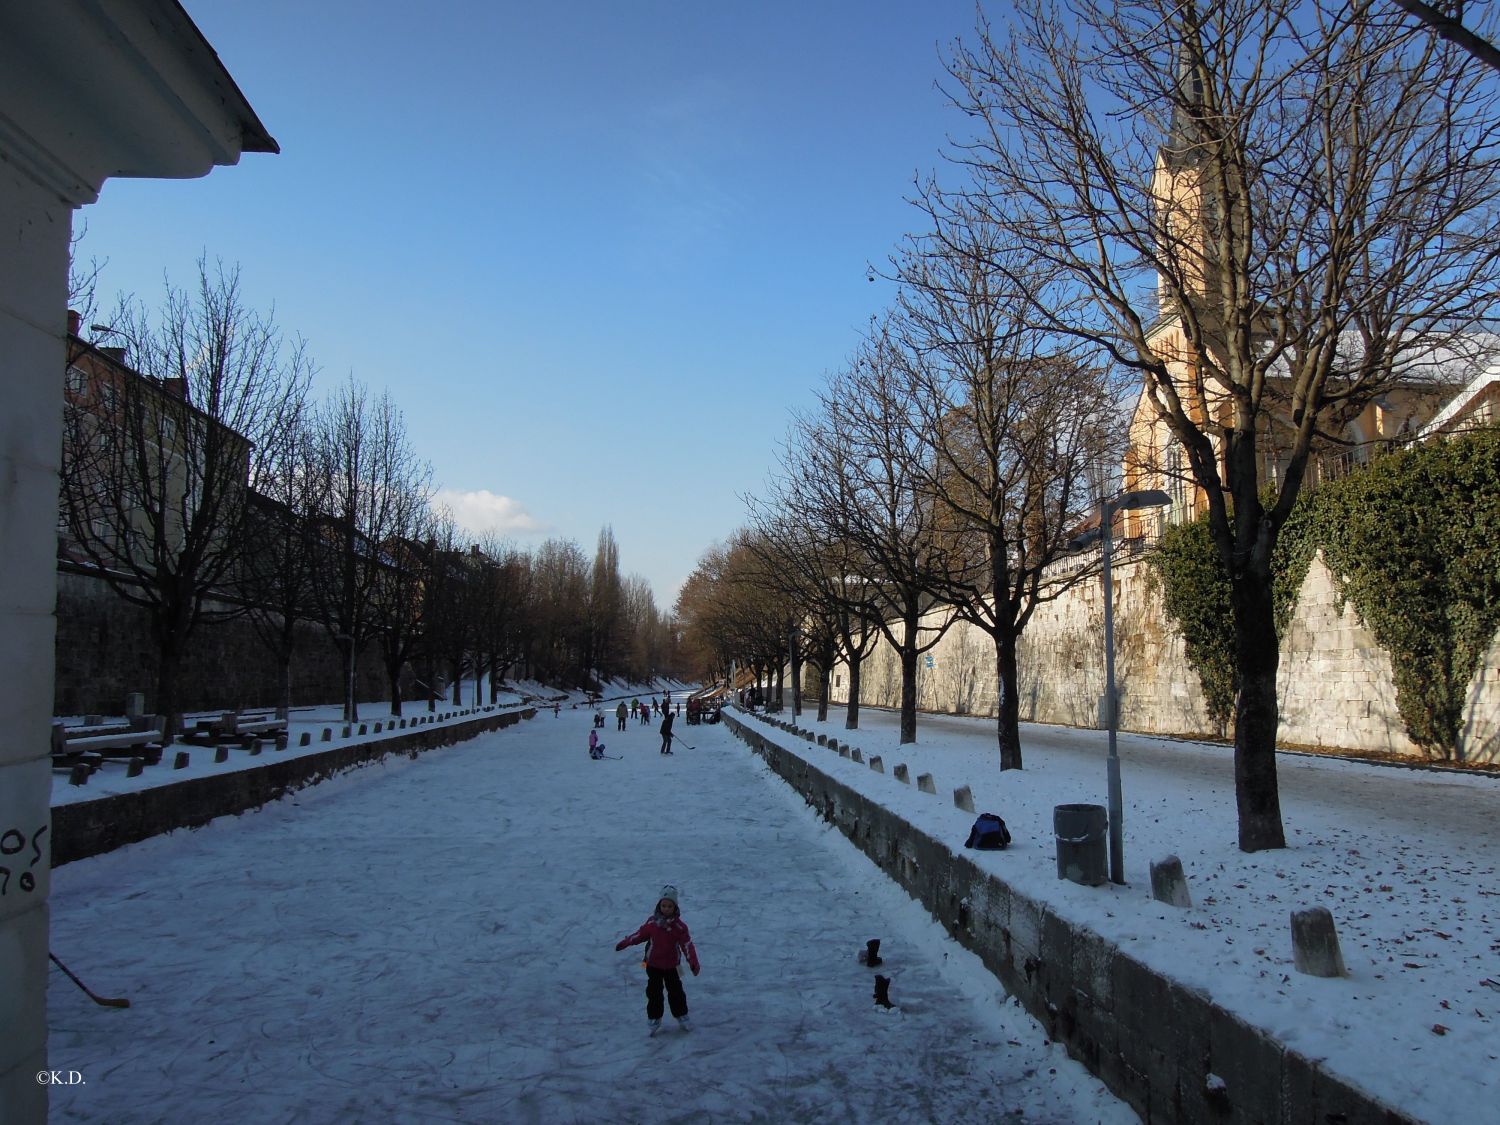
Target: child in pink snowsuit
{"x": 667, "y": 942}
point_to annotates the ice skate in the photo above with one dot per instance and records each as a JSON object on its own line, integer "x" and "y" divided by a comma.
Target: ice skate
{"x": 655, "y": 1026}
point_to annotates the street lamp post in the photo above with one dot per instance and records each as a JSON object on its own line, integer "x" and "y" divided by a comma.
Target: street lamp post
{"x": 1129, "y": 501}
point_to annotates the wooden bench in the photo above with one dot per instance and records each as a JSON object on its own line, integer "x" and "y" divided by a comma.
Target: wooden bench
{"x": 82, "y": 750}
{"x": 232, "y": 726}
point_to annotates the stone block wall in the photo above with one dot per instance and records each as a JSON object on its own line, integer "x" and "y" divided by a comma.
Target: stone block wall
{"x": 1336, "y": 685}
{"x": 1153, "y": 1041}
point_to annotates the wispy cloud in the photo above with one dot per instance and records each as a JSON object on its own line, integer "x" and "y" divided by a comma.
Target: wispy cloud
{"x": 483, "y": 512}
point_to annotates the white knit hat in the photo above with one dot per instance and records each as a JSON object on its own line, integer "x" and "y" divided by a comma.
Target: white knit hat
{"x": 669, "y": 892}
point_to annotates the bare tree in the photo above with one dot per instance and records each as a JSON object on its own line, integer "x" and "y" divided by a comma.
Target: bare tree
{"x": 1448, "y": 21}
{"x": 276, "y": 576}
{"x": 817, "y": 569}
{"x": 159, "y": 456}
{"x": 369, "y": 474}
{"x": 1272, "y": 211}
{"x": 605, "y": 606}
{"x": 502, "y": 604}
{"x": 410, "y": 563}
{"x": 866, "y": 462}
{"x": 1019, "y": 430}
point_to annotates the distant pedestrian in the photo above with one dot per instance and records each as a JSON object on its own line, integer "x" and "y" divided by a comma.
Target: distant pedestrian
{"x": 620, "y": 714}
{"x": 666, "y": 733}
{"x": 667, "y": 942}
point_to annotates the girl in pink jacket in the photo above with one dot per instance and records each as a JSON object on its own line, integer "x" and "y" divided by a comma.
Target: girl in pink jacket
{"x": 667, "y": 942}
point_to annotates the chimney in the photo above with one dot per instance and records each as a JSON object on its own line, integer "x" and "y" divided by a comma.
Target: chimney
{"x": 75, "y": 322}
{"x": 175, "y": 387}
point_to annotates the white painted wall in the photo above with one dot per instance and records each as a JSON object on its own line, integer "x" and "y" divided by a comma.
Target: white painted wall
{"x": 33, "y": 321}
{"x": 89, "y": 91}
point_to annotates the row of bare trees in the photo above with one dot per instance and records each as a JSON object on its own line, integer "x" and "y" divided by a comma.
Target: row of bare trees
{"x": 1259, "y": 216}
{"x": 203, "y": 484}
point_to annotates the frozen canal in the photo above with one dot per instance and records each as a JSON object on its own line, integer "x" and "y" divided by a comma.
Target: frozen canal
{"x": 433, "y": 940}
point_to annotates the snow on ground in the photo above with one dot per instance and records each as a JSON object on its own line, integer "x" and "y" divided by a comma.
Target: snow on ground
{"x": 433, "y": 940}
{"x": 1404, "y": 859}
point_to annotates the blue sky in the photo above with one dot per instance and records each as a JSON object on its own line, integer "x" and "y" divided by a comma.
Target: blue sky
{"x": 597, "y": 252}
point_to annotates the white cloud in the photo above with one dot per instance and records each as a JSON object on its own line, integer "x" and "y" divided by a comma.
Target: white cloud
{"x": 482, "y": 512}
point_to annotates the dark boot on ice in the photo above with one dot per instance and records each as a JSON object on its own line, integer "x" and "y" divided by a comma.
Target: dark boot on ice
{"x": 882, "y": 991}
{"x": 870, "y": 955}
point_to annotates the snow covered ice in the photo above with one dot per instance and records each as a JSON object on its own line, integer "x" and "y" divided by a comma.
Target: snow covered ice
{"x": 433, "y": 940}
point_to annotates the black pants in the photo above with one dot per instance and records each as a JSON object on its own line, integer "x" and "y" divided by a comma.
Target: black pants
{"x": 622, "y": 722}
{"x": 666, "y": 744}
{"x": 676, "y": 998}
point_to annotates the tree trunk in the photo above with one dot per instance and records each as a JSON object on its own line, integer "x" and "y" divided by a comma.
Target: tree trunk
{"x": 909, "y": 686}
{"x": 393, "y": 679}
{"x": 1007, "y": 702}
{"x": 168, "y": 687}
{"x": 796, "y": 670}
{"x": 1256, "y": 715}
{"x": 351, "y": 705}
{"x": 284, "y": 677}
{"x": 851, "y": 718}
{"x": 780, "y": 686}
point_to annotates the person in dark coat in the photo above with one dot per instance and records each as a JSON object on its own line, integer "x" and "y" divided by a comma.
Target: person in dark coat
{"x": 666, "y": 733}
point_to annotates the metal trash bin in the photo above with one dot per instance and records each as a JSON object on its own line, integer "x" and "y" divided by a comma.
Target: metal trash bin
{"x": 1082, "y": 854}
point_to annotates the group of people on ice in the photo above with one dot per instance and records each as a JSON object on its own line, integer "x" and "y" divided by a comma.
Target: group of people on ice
{"x": 663, "y": 708}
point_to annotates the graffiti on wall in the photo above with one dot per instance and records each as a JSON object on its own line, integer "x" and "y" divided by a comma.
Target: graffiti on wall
{"x": 19, "y": 856}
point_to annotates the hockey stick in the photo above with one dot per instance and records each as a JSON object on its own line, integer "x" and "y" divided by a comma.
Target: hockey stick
{"x": 106, "y": 1001}
{"x": 678, "y": 738}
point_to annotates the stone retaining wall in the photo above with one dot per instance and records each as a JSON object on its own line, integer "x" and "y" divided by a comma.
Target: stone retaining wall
{"x": 1154, "y": 1042}
{"x": 1336, "y": 686}
{"x": 87, "y": 828}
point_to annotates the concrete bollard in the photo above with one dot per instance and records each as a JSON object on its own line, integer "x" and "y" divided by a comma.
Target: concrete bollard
{"x": 327, "y": 734}
{"x": 364, "y": 728}
{"x": 255, "y": 748}
{"x": 1315, "y": 944}
{"x": 377, "y": 728}
{"x": 1169, "y": 884}
{"x": 963, "y": 799}
{"x": 902, "y": 775}
{"x": 282, "y": 740}
{"x": 845, "y": 751}
{"x": 221, "y": 754}
{"x": 136, "y": 767}
{"x": 925, "y": 783}
{"x": 856, "y": 756}
{"x": 79, "y": 775}
{"x": 347, "y": 731}
{"x": 403, "y": 724}
{"x": 181, "y": 761}
{"x": 822, "y": 740}
{"x": 877, "y": 764}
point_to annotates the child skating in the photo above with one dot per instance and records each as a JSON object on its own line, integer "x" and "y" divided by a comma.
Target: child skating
{"x": 667, "y": 942}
